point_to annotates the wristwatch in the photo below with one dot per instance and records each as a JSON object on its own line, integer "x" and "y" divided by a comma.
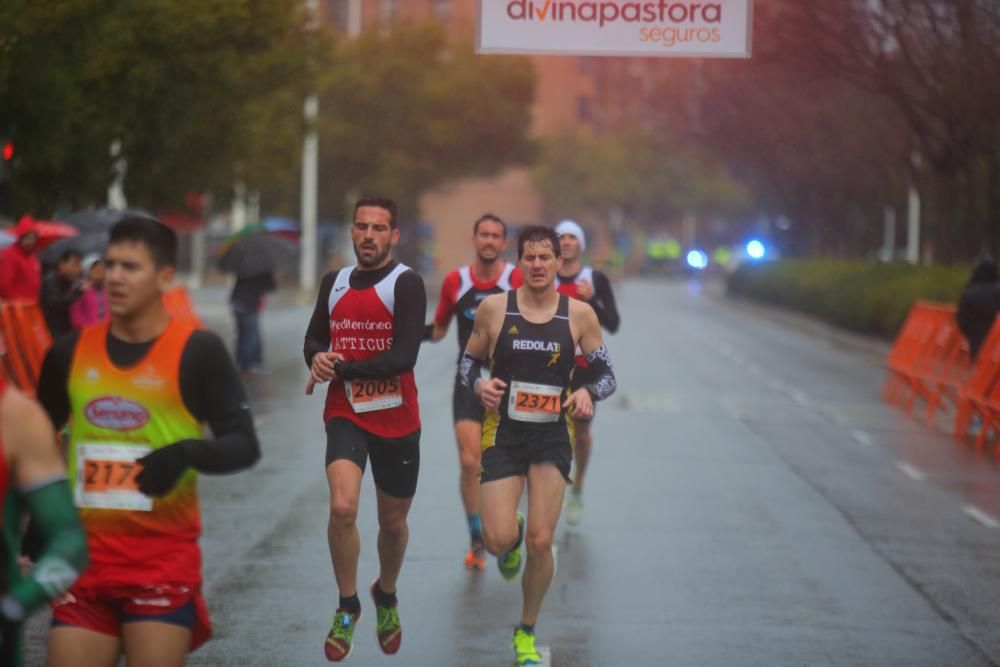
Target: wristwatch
{"x": 336, "y": 366}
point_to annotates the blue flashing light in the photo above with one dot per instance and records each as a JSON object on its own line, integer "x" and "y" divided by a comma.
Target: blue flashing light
{"x": 756, "y": 250}
{"x": 697, "y": 259}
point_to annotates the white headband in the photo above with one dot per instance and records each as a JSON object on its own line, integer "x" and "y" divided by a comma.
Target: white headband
{"x": 570, "y": 227}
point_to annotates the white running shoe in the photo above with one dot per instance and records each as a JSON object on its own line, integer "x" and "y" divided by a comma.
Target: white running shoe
{"x": 574, "y": 508}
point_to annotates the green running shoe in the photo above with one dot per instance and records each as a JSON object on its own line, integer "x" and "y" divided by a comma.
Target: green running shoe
{"x": 339, "y": 642}
{"x": 388, "y": 630}
{"x": 509, "y": 563}
{"x": 524, "y": 648}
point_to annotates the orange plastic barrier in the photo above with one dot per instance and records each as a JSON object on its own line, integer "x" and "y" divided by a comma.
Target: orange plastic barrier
{"x": 179, "y": 305}
{"x": 943, "y": 367}
{"x": 26, "y": 340}
{"x": 918, "y": 353}
{"x": 929, "y": 361}
{"x": 981, "y": 395}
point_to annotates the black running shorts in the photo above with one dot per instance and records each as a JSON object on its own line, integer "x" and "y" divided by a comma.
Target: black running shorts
{"x": 513, "y": 460}
{"x": 395, "y": 461}
{"x": 465, "y": 404}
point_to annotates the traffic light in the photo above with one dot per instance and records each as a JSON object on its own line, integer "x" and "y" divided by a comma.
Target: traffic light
{"x": 7, "y": 152}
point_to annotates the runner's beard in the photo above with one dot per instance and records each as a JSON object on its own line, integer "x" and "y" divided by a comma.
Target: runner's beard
{"x": 376, "y": 259}
{"x": 487, "y": 260}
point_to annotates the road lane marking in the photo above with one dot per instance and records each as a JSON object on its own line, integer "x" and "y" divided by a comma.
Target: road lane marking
{"x": 980, "y": 516}
{"x": 862, "y": 438}
{"x": 910, "y": 471}
{"x": 545, "y": 654}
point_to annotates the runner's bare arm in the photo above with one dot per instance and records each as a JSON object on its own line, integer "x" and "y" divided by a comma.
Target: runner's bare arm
{"x": 489, "y": 317}
{"x": 40, "y": 477}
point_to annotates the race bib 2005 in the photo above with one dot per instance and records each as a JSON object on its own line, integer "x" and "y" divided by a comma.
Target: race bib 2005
{"x": 371, "y": 395}
{"x": 105, "y": 477}
{"x": 530, "y": 402}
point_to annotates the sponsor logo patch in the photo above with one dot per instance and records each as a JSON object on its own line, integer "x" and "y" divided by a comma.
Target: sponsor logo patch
{"x": 116, "y": 413}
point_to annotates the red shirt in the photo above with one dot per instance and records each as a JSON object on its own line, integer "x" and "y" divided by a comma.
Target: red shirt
{"x": 361, "y": 327}
{"x": 461, "y": 294}
{"x": 20, "y": 275}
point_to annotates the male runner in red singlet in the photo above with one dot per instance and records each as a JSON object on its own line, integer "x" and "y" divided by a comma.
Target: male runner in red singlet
{"x": 462, "y": 290}
{"x": 528, "y": 335}
{"x": 32, "y": 479}
{"x": 363, "y": 339}
{"x": 586, "y": 284}
{"x": 135, "y": 391}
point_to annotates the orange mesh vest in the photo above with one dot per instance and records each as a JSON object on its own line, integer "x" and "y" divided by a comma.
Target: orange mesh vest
{"x": 117, "y": 416}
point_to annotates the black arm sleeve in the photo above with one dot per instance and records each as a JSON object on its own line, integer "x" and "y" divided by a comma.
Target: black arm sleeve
{"x": 318, "y": 333}
{"x": 407, "y": 332}
{"x": 603, "y": 303}
{"x": 470, "y": 370}
{"x": 53, "y": 381}
{"x": 212, "y": 392}
{"x": 604, "y": 383}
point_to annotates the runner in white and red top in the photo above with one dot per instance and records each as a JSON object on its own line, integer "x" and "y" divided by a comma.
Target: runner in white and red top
{"x": 587, "y": 284}
{"x": 363, "y": 339}
{"x": 462, "y": 290}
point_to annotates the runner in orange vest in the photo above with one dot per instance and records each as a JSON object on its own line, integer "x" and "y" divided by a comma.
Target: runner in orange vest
{"x": 135, "y": 391}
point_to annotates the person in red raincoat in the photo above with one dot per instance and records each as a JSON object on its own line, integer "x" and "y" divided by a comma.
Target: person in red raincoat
{"x": 20, "y": 268}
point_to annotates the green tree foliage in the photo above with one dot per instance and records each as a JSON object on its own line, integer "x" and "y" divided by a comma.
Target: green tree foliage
{"x": 196, "y": 90}
{"x": 405, "y": 111}
{"x": 645, "y": 178}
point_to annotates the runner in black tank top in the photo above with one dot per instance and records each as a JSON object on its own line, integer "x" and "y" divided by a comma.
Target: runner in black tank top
{"x": 536, "y": 363}
{"x": 529, "y": 336}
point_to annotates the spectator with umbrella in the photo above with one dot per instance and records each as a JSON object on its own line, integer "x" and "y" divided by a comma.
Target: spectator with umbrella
{"x": 254, "y": 258}
{"x": 20, "y": 269}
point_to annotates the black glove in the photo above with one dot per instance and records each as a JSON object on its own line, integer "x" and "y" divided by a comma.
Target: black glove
{"x": 161, "y": 469}
{"x": 428, "y": 332}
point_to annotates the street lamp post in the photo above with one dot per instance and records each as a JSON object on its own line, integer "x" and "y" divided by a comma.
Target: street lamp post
{"x": 310, "y": 160}
{"x": 310, "y": 165}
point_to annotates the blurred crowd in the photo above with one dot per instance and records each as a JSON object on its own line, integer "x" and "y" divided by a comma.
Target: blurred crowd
{"x": 70, "y": 291}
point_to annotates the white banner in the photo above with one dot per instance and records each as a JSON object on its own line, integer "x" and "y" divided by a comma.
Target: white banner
{"x": 720, "y": 29}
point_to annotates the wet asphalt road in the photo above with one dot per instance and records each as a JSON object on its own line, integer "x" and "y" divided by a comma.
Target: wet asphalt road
{"x": 751, "y": 502}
